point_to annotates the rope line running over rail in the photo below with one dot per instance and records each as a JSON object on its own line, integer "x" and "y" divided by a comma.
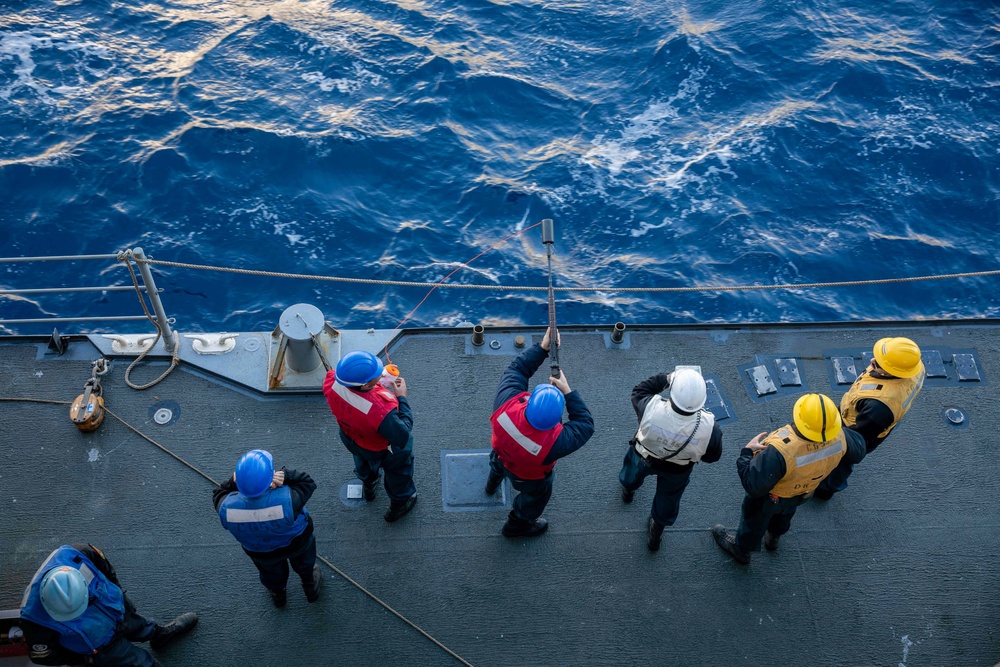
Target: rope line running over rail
{"x": 582, "y": 288}
{"x": 333, "y": 567}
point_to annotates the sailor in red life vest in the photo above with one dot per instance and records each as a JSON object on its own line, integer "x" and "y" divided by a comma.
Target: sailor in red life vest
{"x": 375, "y": 424}
{"x": 528, "y": 437}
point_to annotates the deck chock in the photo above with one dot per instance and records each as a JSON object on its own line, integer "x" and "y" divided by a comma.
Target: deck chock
{"x": 463, "y": 482}
{"x": 715, "y": 400}
{"x": 351, "y": 493}
{"x": 933, "y": 363}
{"x": 496, "y": 343}
{"x": 844, "y": 370}
{"x": 759, "y": 377}
{"x": 965, "y": 366}
{"x": 57, "y": 343}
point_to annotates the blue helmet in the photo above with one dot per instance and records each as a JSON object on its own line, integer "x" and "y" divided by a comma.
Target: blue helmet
{"x": 545, "y": 407}
{"x": 254, "y": 473}
{"x": 357, "y": 368}
{"x": 64, "y": 593}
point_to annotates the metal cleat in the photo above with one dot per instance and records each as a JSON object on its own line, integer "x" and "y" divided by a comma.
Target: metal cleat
{"x": 131, "y": 344}
{"x": 212, "y": 343}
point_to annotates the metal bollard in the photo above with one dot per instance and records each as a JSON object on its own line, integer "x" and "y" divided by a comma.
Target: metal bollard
{"x": 478, "y": 335}
{"x": 618, "y": 333}
{"x": 299, "y": 323}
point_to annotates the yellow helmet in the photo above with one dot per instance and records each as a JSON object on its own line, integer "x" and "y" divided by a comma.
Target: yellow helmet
{"x": 816, "y": 417}
{"x": 898, "y": 356}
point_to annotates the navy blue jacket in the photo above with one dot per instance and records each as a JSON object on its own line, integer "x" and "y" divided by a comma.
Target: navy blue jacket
{"x": 301, "y": 486}
{"x": 760, "y": 473}
{"x": 642, "y": 393}
{"x": 576, "y": 432}
{"x": 874, "y": 416}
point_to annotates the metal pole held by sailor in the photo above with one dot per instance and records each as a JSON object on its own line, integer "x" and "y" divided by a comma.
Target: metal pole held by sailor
{"x": 169, "y": 338}
{"x": 548, "y": 238}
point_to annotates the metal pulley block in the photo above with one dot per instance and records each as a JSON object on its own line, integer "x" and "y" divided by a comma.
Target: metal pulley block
{"x": 87, "y": 410}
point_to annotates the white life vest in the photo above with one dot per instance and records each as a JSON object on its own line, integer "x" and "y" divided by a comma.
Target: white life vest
{"x": 666, "y": 435}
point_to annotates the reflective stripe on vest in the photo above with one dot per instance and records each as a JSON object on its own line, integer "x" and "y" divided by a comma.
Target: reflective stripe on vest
{"x": 263, "y": 524}
{"x": 807, "y": 463}
{"x": 521, "y": 447}
{"x": 359, "y": 413}
{"x": 897, "y": 394}
{"x": 98, "y": 624}
{"x": 662, "y": 432}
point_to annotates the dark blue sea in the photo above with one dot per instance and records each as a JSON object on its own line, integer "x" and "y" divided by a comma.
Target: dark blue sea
{"x": 675, "y": 144}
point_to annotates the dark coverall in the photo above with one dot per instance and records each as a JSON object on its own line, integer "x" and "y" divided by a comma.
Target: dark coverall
{"x": 301, "y": 552}
{"x": 534, "y": 494}
{"x": 671, "y": 478}
{"x": 874, "y": 416}
{"x": 759, "y": 474}
{"x": 397, "y": 461}
{"x": 43, "y": 643}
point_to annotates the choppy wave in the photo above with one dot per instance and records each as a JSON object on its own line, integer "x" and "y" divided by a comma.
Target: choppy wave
{"x": 689, "y": 144}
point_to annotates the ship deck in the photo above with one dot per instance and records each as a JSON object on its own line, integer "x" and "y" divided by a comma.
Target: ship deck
{"x": 900, "y": 569}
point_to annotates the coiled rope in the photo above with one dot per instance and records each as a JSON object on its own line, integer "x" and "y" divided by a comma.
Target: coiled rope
{"x": 581, "y": 288}
{"x": 333, "y": 567}
{"x": 127, "y": 258}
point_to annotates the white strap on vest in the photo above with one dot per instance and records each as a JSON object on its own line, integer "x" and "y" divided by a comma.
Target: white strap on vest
{"x": 255, "y": 516}
{"x": 527, "y": 443}
{"x": 357, "y": 402}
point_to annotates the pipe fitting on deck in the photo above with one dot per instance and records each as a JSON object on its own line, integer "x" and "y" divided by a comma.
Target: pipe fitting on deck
{"x": 618, "y": 333}
{"x": 478, "y": 335}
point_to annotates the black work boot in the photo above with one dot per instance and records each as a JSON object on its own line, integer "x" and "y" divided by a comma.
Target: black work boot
{"x": 280, "y": 599}
{"x": 518, "y": 527}
{"x": 771, "y": 541}
{"x": 655, "y": 534}
{"x": 400, "y": 508}
{"x": 164, "y": 634}
{"x": 727, "y": 543}
{"x": 627, "y": 495}
{"x": 312, "y": 588}
{"x": 368, "y": 490}
{"x": 493, "y": 483}
{"x": 822, "y": 494}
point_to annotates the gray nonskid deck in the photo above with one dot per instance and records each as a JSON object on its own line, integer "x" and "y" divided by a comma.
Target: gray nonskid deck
{"x": 898, "y": 569}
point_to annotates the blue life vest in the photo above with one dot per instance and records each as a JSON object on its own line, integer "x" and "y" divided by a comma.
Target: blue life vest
{"x": 88, "y": 632}
{"x": 263, "y": 524}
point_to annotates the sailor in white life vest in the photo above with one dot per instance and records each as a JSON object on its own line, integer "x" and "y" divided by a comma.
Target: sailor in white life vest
{"x": 877, "y": 401}
{"x": 780, "y": 471}
{"x": 375, "y": 424}
{"x": 674, "y": 434}
{"x": 529, "y": 437}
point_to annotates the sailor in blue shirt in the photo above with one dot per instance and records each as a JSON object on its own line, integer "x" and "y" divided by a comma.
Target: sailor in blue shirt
{"x": 74, "y": 612}
{"x": 265, "y": 510}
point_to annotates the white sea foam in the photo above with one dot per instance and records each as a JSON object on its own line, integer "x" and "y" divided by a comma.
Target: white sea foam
{"x": 347, "y": 85}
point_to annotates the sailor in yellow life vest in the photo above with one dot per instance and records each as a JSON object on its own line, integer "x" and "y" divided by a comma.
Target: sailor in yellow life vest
{"x": 779, "y": 472}
{"x": 877, "y": 400}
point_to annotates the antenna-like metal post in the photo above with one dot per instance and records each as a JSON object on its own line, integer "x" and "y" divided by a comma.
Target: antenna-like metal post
{"x": 548, "y": 231}
{"x": 169, "y": 338}
{"x": 618, "y": 333}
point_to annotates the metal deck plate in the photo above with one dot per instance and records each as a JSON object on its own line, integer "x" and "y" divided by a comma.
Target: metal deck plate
{"x": 463, "y": 482}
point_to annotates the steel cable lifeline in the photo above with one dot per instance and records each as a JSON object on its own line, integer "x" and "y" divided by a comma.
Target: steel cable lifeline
{"x": 333, "y": 567}
{"x": 583, "y": 288}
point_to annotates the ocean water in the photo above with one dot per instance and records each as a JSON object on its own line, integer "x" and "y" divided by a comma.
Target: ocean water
{"x": 675, "y": 144}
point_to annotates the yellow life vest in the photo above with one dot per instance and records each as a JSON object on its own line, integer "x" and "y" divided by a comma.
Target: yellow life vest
{"x": 807, "y": 463}
{"x": 897, "y": 394}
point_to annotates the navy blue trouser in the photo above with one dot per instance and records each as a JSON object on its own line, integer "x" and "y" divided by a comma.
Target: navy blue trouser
{"x": 533, "y": 494}
{"x": 274, "y": 571}
{"x": 762, "y": 515}
{"x": 669, "y": 485}
{"x": 398, "y": 467}
{"x": 120, "y": 651}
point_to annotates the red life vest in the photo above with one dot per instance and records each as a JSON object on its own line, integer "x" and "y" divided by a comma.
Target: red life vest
{"x": 522, "y": 448}
{"x": 359, "y": 413}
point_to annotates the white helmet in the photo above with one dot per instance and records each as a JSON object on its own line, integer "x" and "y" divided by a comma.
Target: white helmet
{"x": 687, "y": 390}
